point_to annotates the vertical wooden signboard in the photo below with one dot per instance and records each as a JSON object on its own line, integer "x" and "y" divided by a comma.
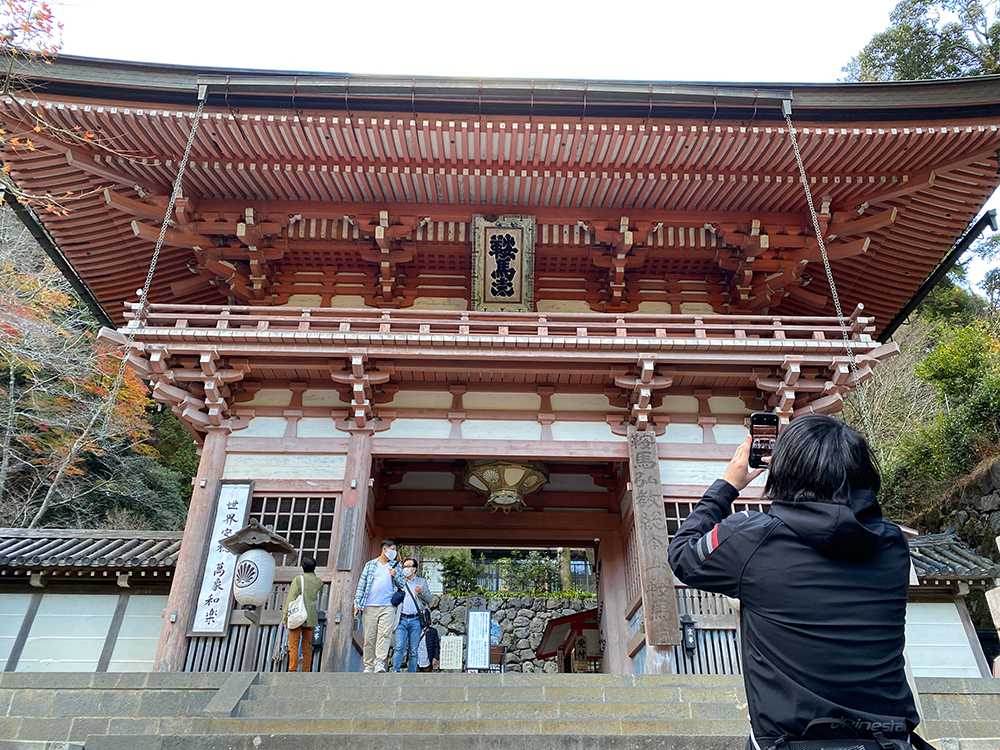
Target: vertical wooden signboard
{"x": 503, "y": 263}
{"x": 659, "y": 600}
{"x": 215, "y": 596}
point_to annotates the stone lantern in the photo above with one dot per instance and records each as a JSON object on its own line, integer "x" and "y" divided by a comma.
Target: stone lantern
{"x": 253, "y": 579}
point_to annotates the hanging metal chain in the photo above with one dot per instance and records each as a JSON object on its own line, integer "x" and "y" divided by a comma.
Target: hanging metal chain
{"x": 140, "y": 312}
{"x": 829, "y": 277}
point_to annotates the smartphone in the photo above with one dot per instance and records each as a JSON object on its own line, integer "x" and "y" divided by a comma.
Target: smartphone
{"x": 764, "y": 431}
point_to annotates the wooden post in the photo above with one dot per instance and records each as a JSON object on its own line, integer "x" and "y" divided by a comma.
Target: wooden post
{"x": 611, "y": 595}
{"x": 171, "y": 651}
{"x": 659, "y": 601}
{"x": 349, "y": 524}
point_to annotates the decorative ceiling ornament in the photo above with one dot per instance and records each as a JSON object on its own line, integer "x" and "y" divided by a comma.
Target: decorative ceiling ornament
{"x": 505, "y": 482}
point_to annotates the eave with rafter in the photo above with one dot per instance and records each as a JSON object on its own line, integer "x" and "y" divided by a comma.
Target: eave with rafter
{"x": 328, "y": 200}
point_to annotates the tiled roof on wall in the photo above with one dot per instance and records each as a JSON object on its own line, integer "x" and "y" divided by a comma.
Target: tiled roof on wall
{"x": 944, "y": 556}
{"x": 87, "y": 548}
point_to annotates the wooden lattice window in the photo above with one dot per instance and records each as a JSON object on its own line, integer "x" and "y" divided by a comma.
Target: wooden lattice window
{"x": 306, "y": 522}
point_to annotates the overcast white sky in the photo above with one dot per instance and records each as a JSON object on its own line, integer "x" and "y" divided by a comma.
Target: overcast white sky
{"x": 793, "y": 41}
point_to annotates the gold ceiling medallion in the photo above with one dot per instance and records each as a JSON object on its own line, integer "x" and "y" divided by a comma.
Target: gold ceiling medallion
{"x": 506, "y": 482}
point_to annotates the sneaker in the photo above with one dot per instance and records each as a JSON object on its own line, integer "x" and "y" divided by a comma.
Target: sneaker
{"x": 380, "y": 666}
{"x": 368, "y": 670}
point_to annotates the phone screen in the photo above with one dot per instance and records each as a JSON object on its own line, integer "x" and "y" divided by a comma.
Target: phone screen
{"x": 764, "y": 436}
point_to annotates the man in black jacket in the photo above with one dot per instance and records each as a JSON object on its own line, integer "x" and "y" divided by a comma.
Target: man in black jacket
{"x": 822, "y": 581}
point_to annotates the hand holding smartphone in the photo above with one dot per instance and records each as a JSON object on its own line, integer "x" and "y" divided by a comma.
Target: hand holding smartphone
{"x": 763, "y": 433}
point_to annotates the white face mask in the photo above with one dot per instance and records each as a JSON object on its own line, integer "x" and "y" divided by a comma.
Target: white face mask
{"x": 391, "y": 554}
{"x": 409, "y": 572}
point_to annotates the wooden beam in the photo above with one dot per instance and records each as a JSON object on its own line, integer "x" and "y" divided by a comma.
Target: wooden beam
{"x": 861, "y": 225}
{"x": 133, "y": 207}
{"x": 172, "y": 237}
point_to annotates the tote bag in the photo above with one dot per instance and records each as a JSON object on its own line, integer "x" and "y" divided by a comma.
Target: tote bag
{"x": 297, "y": 614}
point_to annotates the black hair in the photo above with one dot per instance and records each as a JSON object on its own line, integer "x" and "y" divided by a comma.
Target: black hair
{"x": 388, "y": 542}
{"x": 820, "y": 459}
{"x": 412, "y": 560}
{"x": 308, "y": 564}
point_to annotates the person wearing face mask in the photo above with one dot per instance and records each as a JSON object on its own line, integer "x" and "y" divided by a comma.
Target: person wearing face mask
{"x": 408, "y": 630}
{"x": 380, "y": 579}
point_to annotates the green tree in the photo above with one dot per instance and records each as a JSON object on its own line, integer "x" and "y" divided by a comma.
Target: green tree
{"x": 459, "y": 572}
{"x": 932, "y": 39}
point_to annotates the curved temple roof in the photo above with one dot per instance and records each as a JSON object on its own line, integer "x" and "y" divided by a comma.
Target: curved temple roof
{"x": 702, "y": 175}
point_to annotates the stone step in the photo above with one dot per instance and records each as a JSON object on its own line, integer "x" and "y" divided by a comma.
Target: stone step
{"x": 489, "y": 709}
{"x": 400, "y": 691}
{"x": 509, "y": 679}
{"x": 427, "y": 741}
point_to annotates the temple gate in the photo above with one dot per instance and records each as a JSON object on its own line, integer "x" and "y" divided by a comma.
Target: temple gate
{"x": 356, "y": 297}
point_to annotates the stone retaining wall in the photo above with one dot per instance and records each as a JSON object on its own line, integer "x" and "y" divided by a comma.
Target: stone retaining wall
{"x": 522, "y": 623}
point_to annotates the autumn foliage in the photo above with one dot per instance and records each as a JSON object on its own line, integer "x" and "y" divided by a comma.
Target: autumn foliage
{"x": 68, "y": 456}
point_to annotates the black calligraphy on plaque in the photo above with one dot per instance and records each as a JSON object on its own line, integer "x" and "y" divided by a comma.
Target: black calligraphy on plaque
{"x": 503, "y": 248}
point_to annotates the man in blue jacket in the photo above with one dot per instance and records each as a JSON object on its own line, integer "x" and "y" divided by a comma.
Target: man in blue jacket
{"x": 822, "y": 581}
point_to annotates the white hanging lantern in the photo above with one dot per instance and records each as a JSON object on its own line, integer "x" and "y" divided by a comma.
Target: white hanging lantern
{"x": 254, "y": 577}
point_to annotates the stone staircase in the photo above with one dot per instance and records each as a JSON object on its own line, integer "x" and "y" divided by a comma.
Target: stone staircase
{"x": 422, "y": 711}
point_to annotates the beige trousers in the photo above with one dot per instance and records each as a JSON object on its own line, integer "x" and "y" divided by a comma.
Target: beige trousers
{"x": 379, "y": 624}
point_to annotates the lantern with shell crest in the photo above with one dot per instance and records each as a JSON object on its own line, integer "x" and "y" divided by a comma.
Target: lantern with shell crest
{"x": 255, "y": 546}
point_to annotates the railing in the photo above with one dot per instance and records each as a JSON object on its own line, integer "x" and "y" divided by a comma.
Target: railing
{"x": 225, "y": 653}
{"x": 502, "y": 325}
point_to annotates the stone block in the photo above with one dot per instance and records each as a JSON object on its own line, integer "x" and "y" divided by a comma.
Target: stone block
{"x": 395, "y": 726}
{"x": 9, "y": 726}
{"x": 494, "y": 711}
{"x": 652, "y": 726}
{"x": 574, "y": 694}
{"x": 160, "y": 703}
{"x": 33, "y": 703}
{"x": 45, "y": 730}
{"x": 5, "y": 698}
{"x": 119, "y": 703}
{"x": 444, "y": 710}
{"x": 126, "y": 742}
{"x": 614, "y": 694}
{"x": 119, "y": 680}
{"x": 133, "y": 726}
{"x": 81, "y": 729}
{"x": 74, "y": 703}
{"x": 731, "y": 711}
{"x": 581, "y": 726}
{"x": 45, "y": 680}
{"x": 486, "y": 727}
{"x": 186, "y": 680}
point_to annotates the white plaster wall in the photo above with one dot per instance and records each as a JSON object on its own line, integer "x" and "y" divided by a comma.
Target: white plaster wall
{"x": 653, "y": 308}
{"x": 420, "y": 400}
{"x": 353, "y": 301}
{"x": 432, "y": 429}
{"x": 502, "y": 401}
{"x": 323, "y": 397}
{"x": 440, "y": 303}
{"x": 727, "y": 405}
{"x": 318, "y": 427}
{"x": 730, "y": 434}
{"x": 677, "y": 405}
{"x": 584, "y": 431}
{"x": 697, "y": 308}
{"x": 682, "y": 433}
{"x": 284, "y": 466}
{"x": 303, "y": 300}
{"x": 562, "y": 305}
{"x": 580, "y": 402}
{"x": 265, "y": 427}
{"x": 484, "y": 429}
{"x": 270, "y": 397}
{"x": 936, "y": 642}
{"x": 699, "y": 473}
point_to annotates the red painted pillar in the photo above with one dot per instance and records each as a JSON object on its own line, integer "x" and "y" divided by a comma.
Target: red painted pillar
{"x": 611, "y": 594}
{"x": 348, "y": 553}
{"x": 171, "y": 651}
